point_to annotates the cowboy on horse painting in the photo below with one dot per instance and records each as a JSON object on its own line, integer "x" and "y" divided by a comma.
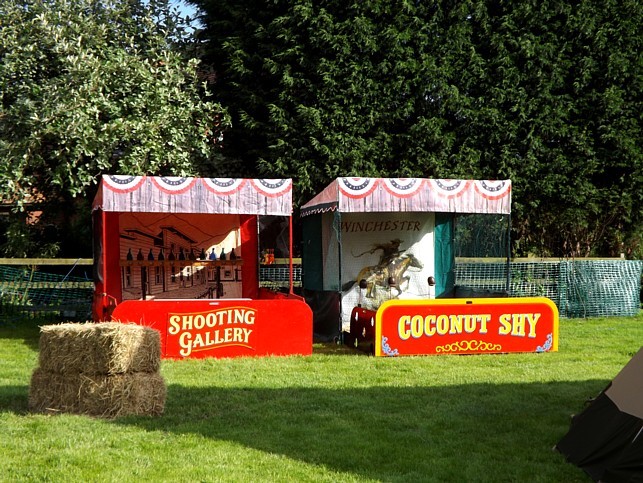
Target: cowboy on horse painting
{"x": 390, "y": 250}
{"x": 389, "y": 272}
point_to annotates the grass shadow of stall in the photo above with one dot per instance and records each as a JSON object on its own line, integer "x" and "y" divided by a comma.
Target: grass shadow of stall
{"x": 391, "y": 433}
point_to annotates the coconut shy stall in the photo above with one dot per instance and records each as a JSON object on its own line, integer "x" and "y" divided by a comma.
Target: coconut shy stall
{"x": 376, "y": 246}
{"x": 181, "y": 255}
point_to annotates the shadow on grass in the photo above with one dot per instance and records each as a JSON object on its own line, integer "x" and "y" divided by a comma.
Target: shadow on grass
{"x": 475, "y": 432}
{"x": 392, "y": 433}
{"x": 14, "y": 399}
{"x": 27, "y": 329}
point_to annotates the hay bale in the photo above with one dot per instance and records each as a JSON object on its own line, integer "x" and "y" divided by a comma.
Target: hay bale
{"x": 108, "y": 396}
{"x": 98, "y": 369}
{"x": 99, "y": 348}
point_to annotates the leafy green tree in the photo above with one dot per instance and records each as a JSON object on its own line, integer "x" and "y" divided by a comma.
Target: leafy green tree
{"x": 90, "y": 87}
{"x": 558, "y": 110}
{"x": 547, "y": 94}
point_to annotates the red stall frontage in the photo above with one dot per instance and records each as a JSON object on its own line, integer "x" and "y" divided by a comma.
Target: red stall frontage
{"x": 181, "y": 255}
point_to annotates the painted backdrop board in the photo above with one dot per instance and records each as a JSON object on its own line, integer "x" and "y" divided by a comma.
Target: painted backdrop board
{"x": 174, "y": 236}
{"x": 376, "y": 247}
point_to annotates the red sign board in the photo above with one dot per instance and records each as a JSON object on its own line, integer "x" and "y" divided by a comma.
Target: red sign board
{"x": 225, "y": 327}
{"x": 466, "y": 326}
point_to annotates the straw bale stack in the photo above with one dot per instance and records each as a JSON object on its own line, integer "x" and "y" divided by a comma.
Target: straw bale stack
{"x": 104, "y": 348}
{"x": 100, "y": 369}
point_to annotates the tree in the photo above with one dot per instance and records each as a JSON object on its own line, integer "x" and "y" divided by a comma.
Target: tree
{"x": 559, "y": 111}
{"x": 547, "y": 94}
{"x": 90, "y": 87}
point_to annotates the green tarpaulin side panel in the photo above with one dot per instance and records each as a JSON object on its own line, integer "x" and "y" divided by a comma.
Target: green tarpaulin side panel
{"x": 444, "y": 255}
{"x": 312, "y": 253}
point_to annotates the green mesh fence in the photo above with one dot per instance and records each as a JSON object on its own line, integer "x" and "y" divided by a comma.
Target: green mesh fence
{"x": 25, "y": 290}
{"x": 601, "y": 287}
{"x": 579, "y": 288}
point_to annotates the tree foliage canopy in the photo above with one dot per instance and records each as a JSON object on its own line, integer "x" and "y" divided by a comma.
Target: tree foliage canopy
{"x": 545, "y": 93}
{"x": 97, "y": 86}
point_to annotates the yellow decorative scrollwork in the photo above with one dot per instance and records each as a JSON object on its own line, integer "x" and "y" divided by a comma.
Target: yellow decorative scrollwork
{"x": 469, "y": 346}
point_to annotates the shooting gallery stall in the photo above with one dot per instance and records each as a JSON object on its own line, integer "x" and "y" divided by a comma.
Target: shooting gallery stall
{"x": 367, "y": 241}
{"x": 181, "y": 255}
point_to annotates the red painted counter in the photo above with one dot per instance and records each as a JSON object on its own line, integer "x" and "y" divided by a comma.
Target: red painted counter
{"x": 225, "y": 327}
{"x": 466, "y": 326}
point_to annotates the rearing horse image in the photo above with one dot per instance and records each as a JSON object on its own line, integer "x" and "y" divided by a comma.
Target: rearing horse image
{"x": 379, "y": 275}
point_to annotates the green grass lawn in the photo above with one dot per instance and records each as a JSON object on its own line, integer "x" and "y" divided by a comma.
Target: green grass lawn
{"x": 335, "y": 416}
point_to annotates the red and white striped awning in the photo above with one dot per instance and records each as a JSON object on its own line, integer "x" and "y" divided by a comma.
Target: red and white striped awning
{"x": 169, "y": 194}
{"x": 353, "y": 195}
